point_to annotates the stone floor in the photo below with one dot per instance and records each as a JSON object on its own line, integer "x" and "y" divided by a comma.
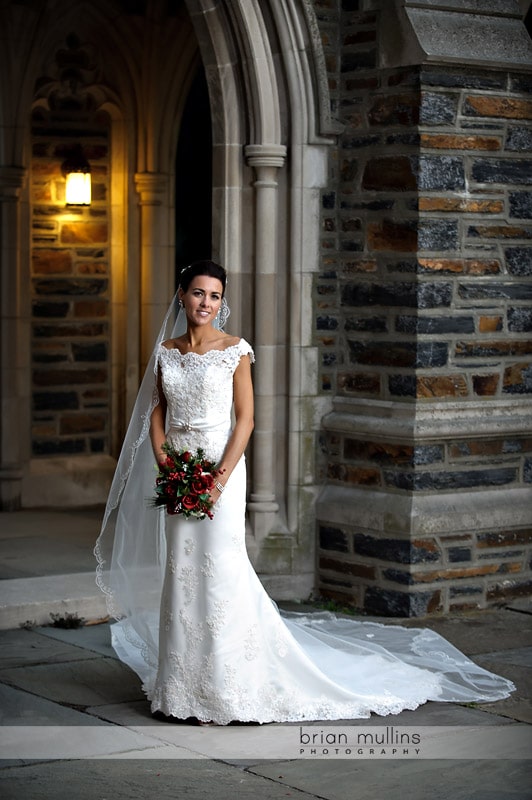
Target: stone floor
{"x": 74, "y": 721}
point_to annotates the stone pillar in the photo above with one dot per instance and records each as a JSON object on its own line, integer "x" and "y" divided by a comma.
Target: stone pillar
{"x": 156, "y": 266}
{"x": 14, "y": 359}
{"x": 423, "y": 313}
{"x": 266, "y": 160}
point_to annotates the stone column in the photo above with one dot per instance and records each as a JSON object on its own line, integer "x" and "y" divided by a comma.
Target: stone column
{"x": 156, "y": 265}
{"x": 266, "y": 160}
{"x": 15, "y": 355}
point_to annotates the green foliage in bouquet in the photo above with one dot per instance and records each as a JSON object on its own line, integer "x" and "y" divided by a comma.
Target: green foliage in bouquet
{"x": 184, "y": 482}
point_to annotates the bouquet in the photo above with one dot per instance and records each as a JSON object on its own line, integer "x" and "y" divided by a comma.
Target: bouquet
{"x": 184, "y": 482}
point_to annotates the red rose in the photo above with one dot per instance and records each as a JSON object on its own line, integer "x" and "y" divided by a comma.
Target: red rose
{"x": 186, "y": 456}
{"x": 189, "y": 502}
{"x": 207, "y": 481}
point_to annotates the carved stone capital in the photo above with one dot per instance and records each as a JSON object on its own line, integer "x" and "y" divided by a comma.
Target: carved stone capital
{"x": 265, "y": 155}
{"x": 11, "y": 182}
{"x": 151, "y": 187}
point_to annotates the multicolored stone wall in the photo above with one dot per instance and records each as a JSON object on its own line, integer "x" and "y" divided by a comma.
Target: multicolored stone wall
{"x": 424, "y": 323}
{"x": 70, "y": 298}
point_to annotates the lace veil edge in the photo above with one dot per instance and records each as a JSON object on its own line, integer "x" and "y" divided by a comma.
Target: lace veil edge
{"x": 130, "y": 549}
{"x": 127, "y": 510}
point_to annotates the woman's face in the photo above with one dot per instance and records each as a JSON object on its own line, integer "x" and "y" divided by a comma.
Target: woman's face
{"x": 202, "y": 300}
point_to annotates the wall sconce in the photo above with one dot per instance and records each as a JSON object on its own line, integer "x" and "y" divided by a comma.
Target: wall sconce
{"x": 77, "y": 172}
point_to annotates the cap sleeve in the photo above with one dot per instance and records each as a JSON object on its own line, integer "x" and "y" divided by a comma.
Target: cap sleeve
{"x": 245, "y": 349}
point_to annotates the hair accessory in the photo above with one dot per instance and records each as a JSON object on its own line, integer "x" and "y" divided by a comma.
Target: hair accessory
{"x": 223, "y": 315}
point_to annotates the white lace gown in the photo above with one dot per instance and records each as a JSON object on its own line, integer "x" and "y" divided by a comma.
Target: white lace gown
{"x": 224, "y": 651}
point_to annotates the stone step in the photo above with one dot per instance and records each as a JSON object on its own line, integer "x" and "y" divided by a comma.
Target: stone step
{"x": 33, "y": 600}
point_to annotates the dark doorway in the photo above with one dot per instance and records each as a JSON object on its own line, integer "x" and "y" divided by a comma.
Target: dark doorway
{"x": 194, "y": 177}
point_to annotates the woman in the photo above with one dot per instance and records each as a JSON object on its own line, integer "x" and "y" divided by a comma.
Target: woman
{"x": 195, "y": 621}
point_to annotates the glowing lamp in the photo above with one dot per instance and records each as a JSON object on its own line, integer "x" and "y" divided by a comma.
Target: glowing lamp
{"x": 77, "y": 172}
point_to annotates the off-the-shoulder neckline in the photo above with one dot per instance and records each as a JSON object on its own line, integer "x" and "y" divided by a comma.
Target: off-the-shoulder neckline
{"x": 200, "y": 355}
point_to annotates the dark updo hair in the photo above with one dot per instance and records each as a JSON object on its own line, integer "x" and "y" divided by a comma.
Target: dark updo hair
{"x": 209, "y": 268}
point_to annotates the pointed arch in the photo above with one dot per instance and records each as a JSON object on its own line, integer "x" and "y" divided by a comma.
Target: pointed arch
{"x": 271, "y": 122}
{"x": 269, "y": 95}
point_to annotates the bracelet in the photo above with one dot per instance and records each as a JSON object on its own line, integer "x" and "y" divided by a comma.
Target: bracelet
{"x": 219, "y": 486}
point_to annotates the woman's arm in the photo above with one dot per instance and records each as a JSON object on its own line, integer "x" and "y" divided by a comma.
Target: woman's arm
{"x": 157, "y": 423}
{"x": 243, "y": 406}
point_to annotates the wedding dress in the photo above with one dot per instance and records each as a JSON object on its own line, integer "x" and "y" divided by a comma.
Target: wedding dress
{"x": 218, "y": 649}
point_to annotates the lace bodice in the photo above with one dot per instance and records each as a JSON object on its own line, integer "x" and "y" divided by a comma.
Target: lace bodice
{"x": 199, "y": 393}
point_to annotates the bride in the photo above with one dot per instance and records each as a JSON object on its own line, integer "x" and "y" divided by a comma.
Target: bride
{"x": 194, "y": 621}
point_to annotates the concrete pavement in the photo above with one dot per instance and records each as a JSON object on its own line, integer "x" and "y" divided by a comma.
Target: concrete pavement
{"x": 75, "y": 723}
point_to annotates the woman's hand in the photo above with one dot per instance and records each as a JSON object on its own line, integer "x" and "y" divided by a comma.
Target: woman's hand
{"x": 160, "y": 457}
{"x": 218, "y": 488}
{"x": 215, "y": 495}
